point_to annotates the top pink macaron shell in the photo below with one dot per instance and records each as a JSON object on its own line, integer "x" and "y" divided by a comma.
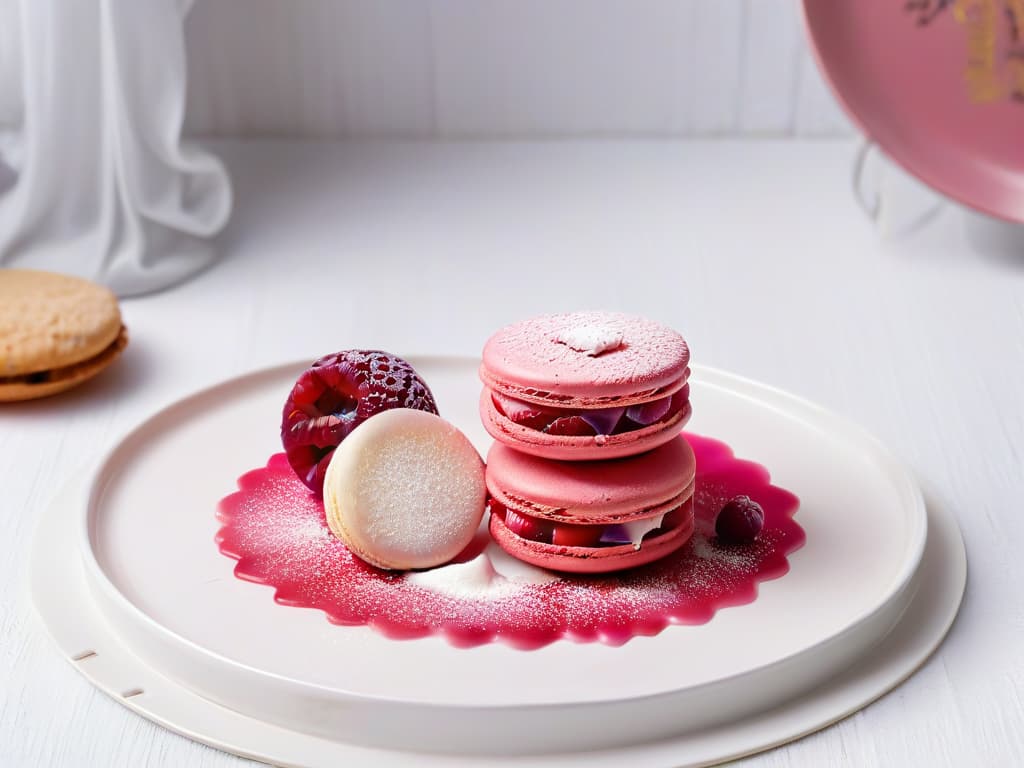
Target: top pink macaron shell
{"x": 596, "y": 491}
{"x": 527, "y": 360}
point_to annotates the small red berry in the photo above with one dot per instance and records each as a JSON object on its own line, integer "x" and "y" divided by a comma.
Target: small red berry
{"x": 576, "y": 535}
{"x": 337, "y": 394}
{"x": 571, "y": 426}
{"x": 525, "y": 414}
{"x": 739, "y": 521}
{"x": 528, "y": 527}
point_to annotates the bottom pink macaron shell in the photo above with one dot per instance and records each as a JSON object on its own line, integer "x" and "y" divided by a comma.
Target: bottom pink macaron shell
{"x": 592, "y": 492}
{"x": 592, "y": 559}
{"x": 577, "y": 448}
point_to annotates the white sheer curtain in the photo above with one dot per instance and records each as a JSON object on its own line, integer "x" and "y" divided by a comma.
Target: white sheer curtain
{"x": 94, "y": 178}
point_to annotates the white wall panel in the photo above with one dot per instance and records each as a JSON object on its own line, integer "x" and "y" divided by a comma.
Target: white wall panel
{"x": 817, "y": 111}
{"x": 561, "y": 67}
{"x": 710, "y": 84}
{"x": 317, "y": 68}
{"x": 492, "y": 68}
{"x": 772, "y": 56}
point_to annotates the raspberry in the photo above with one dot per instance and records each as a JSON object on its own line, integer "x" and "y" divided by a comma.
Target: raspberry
{"x": 337, "y": 394}
{"x": 574, "y": 426}
{"x": 739, "y": 521}
{"x": 526, "y": 414}
{"x": 575, "y": 535}
{"x": 528, "y": 527}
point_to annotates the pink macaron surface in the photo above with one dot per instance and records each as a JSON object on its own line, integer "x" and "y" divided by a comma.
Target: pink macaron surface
{"x": 536, "y": 361}
{"x": 591, "y": 517}
{"x": 585, "y": 385}
{"x": 592, "y": 492}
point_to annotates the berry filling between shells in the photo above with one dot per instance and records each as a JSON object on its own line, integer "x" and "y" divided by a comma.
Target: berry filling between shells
{"x": 595, "y": 535}
{"x": 587, "y": 422}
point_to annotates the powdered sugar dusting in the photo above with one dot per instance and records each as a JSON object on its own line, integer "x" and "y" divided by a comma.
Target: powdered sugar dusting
{"x": 412, "y": 509}
{"x": 473, "y": 580}
{"x": 534, "y": 361}
{"x": 590, "y": 338}
{"x": 276, "y": 530}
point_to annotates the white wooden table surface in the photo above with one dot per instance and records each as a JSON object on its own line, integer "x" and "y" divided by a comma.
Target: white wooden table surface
{"x": 754, "y": 250}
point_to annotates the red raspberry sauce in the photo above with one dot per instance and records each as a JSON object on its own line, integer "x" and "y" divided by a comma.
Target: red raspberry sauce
{"x": 275, "y": 528}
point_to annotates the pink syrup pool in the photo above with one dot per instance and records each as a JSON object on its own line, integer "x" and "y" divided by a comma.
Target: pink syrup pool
{"x": 276, "y": 530}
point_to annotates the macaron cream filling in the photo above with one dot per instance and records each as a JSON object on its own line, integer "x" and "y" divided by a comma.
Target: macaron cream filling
{"x": 633, "y": 532}
{"x": 591, "y": 421}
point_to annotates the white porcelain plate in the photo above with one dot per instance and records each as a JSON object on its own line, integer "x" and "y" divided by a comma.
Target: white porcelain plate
{"x": 214, "y": 657}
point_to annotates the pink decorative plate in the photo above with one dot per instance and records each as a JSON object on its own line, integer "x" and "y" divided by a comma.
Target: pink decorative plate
{"x": 938, "y": 84}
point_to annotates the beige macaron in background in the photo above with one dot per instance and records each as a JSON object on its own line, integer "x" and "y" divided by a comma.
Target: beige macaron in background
{"x": 56, "y": 332}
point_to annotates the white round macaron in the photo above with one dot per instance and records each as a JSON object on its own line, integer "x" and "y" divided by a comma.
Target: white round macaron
{"x": 405, "y": 490}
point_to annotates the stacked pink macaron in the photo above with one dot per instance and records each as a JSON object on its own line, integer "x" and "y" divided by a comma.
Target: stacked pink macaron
{"x": 590, "y": 473}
